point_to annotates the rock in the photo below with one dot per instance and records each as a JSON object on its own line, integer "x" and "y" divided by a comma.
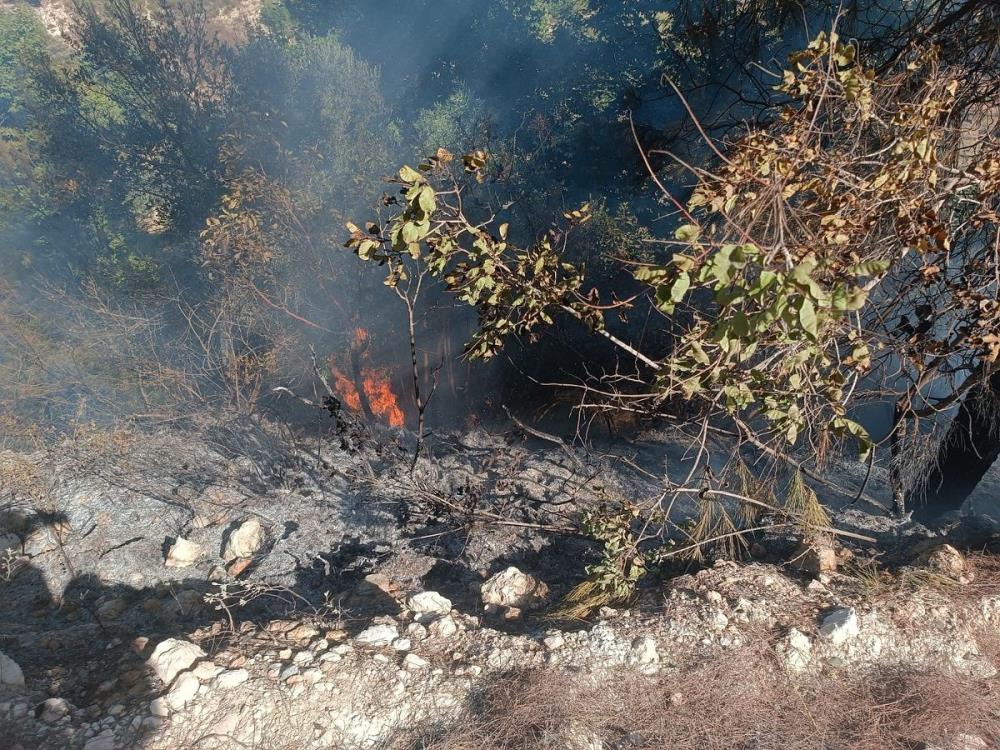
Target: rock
{"x": 231, "y": 678}
{"x": 207, "y": 671}
{"x": 644, "y": 651}
{"x": 796, "y": 651}
{"x": 428, "y": 606}
{"x": 947, "y": 561}
{"x": 158, "y": 707}
{"x": 104, "y": 741}
{"x": 817, "y": 556}
{"x": 445, "y": 627}
{"x": 244, "y": 541}
{"x": 554, "y": 641}
{"x": 412, "y": 661}
{"x": 183, "y": 692}
{"x": 53, "y": 709}
{"x": 377, "y": 635}
{"x": 840, "y": 626}
{"x": 173, "y": 656}
{"x": 183, "y": 553}
{"x": 514, "y": 589}
{"x": 11, "y": 675}
{"x": 302, "y": 634}
{"x": 401, "y": 644}
{"x": 237, "y": 567}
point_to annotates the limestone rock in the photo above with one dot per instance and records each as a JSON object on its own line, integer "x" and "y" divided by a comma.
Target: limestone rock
{"x": 244, "y": 541}
{"x": 183, "y": 692}
{"x": 11, "y": 675}
{"x": 428, "y": 606}
{"x": 173, "y": 656}
{"x": 377, "y": 635}
{"x": 53, "y": 709}
{"x": 513, "y": 589}
{"x": 182, "y": 553}
{"x": 840, "y": 626}
{"x": 231, "y": 678}
{"x": 796, "y": 651}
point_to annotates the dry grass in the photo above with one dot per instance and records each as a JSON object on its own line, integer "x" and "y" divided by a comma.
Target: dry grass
{"x": 741, "y": 704}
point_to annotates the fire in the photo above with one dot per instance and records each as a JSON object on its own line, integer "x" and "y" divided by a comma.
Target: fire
{"x": 376, "y": 395}
{"x": 383, "y": 401}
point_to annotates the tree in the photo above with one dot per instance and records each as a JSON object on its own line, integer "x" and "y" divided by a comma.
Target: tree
{"x": 842, "y": 254}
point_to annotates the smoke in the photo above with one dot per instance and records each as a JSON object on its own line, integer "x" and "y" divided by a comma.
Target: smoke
{"x": 183, "y": 179}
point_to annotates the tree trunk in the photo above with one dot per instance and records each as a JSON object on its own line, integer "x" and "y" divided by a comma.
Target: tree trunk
{"x": 969, "y": 448}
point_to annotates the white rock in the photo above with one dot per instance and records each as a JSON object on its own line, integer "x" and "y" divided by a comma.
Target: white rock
{"x": 53, "y": 709}
{"x": 207, "y": 671}
{"x": 412, "y": 661}
{"x": 377, "y": 635}
{"x": 173, "y": 656}
{"x": 797, "y": 651}
{"x": 512, "y": 588}
{"x": 244, "y": 541}
{"x": 158, "y": 707}
{"x": 840, "y": 626}
{"x": 11, "y": 675}
{"x": 183, "y": 692}
{"x": 446, "y": 627}
{"x": 644, "y": 651}
{"x": 428, "y": 606}
{"x": 554, "y": 641}
{"x": 401, "y": 644}
{"x": 231, "y": 678}
{"x": 182, "y": 553}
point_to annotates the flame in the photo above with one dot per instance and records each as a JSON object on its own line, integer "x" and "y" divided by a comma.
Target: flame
{"x": 381, "y": 397}
{"x": 375, "y": 382}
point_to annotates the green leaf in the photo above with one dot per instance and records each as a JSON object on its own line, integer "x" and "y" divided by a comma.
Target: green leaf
{"x": 680, "y": 287}
{"x": 807, "y": 318}
{"x": 409, "y": 174}
{"x": 687, "y": 233}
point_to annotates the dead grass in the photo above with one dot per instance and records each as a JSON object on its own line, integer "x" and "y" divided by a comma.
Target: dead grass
{"x": 741, "y": 704}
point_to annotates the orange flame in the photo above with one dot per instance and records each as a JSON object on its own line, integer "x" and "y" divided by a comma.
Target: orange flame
{"x": 380, "y": 396}
{"x": 375, "y": 383}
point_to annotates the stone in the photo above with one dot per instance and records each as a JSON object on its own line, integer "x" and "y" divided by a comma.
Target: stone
{"x": 244, "y": 541}
{"x": 446, "y": 627}
{"x": 947, "y": 561}
{"x": 401, "y": 644}
{"x": 104, "y": 741}
{"x": 817, "y": 556}
{"x": 412, "y": 661}
{"x": 428, "y": 606}
{"x": 554, "y": 641}
{"x": 183, "y": 553}
{"x": 237, "y": 567}
{"x": 11, "y": 675}
{"x": 231, "y": 678}
{"x": 797, "y": 651}
{"x": 644, "y": 651}
{"x": 173, "y": 656}
{"x": 840, "y": 626}
{"x": 53, "y": 709}
{"x": 183, "y": 691}
{"x": 512, "y": 588}
{"x": 377, "y": 635}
